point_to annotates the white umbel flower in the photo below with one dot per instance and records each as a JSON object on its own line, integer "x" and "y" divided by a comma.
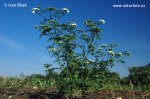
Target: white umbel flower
{"x": 60, "y": 42}
{"x": 102, "y": 21}
{"x": 104, "y": 45}
{"x": 99, "y": 48}
{"x": 119, "y": 54}
{"x": 34, "y": 10}
{"x": 73, "y": 24}
{"x": 111, "y": 53}
{"x": 65, "y": 9}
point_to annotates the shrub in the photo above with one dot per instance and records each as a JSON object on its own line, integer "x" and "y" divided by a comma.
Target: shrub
{"x": 40, "y": 81}
{"x": 82, "y": 58}
{"x": 140, "y": 75}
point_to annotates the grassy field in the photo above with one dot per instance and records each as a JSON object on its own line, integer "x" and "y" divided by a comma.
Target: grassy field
{"x": 39, "y": 86}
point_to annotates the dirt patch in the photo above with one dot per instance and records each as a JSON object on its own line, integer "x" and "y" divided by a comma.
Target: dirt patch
{"x": 108, "y": 94}
{"x": 32, "y": 93}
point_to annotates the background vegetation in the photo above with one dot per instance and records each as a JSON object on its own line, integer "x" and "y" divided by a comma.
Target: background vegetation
{"x": 137, "y": 80}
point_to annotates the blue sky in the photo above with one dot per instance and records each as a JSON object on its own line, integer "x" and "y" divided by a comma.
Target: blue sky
{"x": 21, "y": 50}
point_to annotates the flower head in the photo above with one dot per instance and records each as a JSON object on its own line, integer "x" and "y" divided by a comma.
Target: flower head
{"x": 73, "y": 24}
{"x": 104, "y": 45}
{"x": 99, "y": 48}
{"x": 65, "y": 10}
{"x": 34, "y": 10}
{"x": 118, "y": 55}
{"x": 102, "y": 21}
{"x": 60, "y": 42}
{"x": 111, "y": 53}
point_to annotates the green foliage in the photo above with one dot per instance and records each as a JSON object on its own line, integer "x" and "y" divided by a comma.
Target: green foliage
{"x": 34, "y": 80}
{"x": 73, "y": 47}
{"x": 10, "y": 82}
{"x": 139, "y": 75}
{"x": 50, "y": 73}
{"x": 39, "y": 81}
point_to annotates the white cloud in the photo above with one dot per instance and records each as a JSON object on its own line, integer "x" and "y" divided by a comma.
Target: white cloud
{"x": 11, "y": 44}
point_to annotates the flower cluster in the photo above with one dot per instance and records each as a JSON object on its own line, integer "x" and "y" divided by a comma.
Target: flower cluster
{"x": 60, "y": 42}
{"x": 111, "y": 53}
{"x": 119, "y": 54}
{"x": 99, "y": 48}
{"x": 73, "y": 24}
{"x": 102, "y": 21}
{"x": 65, "y": 10}
{"x": 104, "y": 45}
{"x": 34, "y": 10}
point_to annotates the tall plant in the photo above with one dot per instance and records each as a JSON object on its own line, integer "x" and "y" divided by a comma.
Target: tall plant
{"x": 78, "y": 51}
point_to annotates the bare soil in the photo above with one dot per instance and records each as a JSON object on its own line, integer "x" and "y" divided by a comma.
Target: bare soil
{"x": 31, "y": 93}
